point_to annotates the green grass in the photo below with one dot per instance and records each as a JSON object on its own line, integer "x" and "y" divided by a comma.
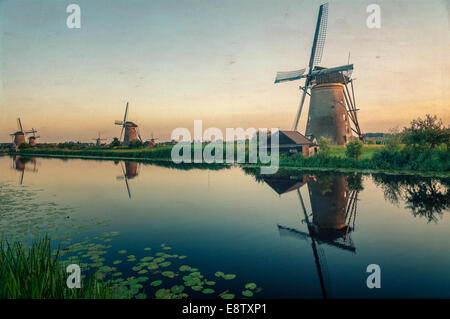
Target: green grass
{"x": 37, "y": 273}
{"x": 367, "y": 152}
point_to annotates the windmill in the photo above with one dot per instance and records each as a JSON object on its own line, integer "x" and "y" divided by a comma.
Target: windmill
{"x": 19, "y": 164}
{"x": 131, "y": 129}
{"x": 331, "y": 106}
{"x": 98, "y": 140}
{"x": 32, "y": 139}
{"x": 332, "y": 214}
{"x": 129, "y": 171}
{"x": 19, "y": 136}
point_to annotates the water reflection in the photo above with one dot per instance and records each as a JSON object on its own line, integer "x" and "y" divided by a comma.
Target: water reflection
{"x": 129, "y": 170}
{"x": 425, "y": 197}
{"x": 20, "y": 164}
{"x": 333, "y": 201}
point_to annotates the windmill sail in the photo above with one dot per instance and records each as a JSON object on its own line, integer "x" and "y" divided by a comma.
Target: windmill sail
{"x": 289, "y": 76}
{"x": 319, "y": 36}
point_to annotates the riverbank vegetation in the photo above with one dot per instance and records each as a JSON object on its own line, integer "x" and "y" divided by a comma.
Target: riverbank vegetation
{"x": 422, "y": 146}
{"x": 39, "y": 273}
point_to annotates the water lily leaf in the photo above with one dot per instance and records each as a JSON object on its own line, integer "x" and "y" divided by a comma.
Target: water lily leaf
{"x": 163, "y": 294}
{"x": 141, "y": 296}
{"x": 219, "y": 274}
{"x": 197, "y": 288}
{"x": 227, "y": 296}
{"x": 182, "y": 257}
{"x": 177, "y": 289}
{"x": 165, "y": 264}
{"x": 147, "y": 248}
{"x": 185, "y": 268}
{"x": 159, "y": 259}
{"x": 143, "y": 271}
{"x": 210, "y": 283}
{"x": 229, "y": 276}
{"x": 195, "y": 274}
{"x": 247, "y": 293}
{"x": 168, "y": 273}
{"x": 116, "y": 262}
{"x": 208, "y": 291}
{"x": 250, "y": 286}
{"x": 117, "y": 274}
{"x": 156, "y": 283}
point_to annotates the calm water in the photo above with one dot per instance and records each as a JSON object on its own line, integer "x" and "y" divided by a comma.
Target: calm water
{"x": 238, "y": 223}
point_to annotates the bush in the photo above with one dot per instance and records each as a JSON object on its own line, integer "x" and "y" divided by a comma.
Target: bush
{"x": 324, "y": 146}
{"x": 135, "y": 144}
{"x": 24, "y": 146}
{"x": 353, "y": 149}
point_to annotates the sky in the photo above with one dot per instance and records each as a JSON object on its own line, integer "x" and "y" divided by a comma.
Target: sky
{"x": 211, "y": 60}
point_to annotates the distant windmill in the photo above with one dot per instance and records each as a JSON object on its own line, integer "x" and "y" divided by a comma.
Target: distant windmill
{"x": 19, "y": 136}
{"x": 32, "y": 139}
{"x": 131, "y": 129}
{"x": 331, "y": 104}
{"x": 98, "y": 140}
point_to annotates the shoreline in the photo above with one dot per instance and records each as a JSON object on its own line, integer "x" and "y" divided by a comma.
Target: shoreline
{"x": 329, "y": 169}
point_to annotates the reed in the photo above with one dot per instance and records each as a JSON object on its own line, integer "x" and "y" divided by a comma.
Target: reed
{"x": 39, "y": 273}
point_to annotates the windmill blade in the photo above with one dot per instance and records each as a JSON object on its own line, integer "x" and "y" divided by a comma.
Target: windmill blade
{"x": 139, "y": 134}
{"x": 21, "y": 177}
{"x": 19, "y": 123}
{"x": 343, "y": 68}
{"x": 126, "y": 114}
{"x": 126, "y": 180}
{"x": 302, "y": 101}
{"x": 118, "y": 123}
{"x": 289, "y": 76}
{"x": 319, "y": 36}
{"x": 121, "y": 132}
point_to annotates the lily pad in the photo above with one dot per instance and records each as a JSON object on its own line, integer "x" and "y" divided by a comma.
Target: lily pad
{"x": 123, "y": 251}
{"x": 185, "y": 268}
{"x": 177, "y": 289}
{"x": 250, "y": 286}
{"x": 229, "y": 276}
{"x": 219, "y": 274}
{"x": 210, "y": 283}
{"x": 168, "y": 273}
{"x": 165, "y": 264}
{"x": 247, "y": 293}
{"x": 116, "y": 262}
{"x": 197, "y": 288}
{"x": 147, "y": 248}
{"x": 227, "y": 296}
{"x": 156, "y": 283}
{"x": 208, "y": 291}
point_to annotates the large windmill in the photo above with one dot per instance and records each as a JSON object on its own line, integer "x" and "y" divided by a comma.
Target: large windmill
{"x": 32, "y": 139}
{"x": 19, "y": 136}
{"x": 329, "y": 222}
{"x": 331, "y": 106}
{"x": 131, "y": 129}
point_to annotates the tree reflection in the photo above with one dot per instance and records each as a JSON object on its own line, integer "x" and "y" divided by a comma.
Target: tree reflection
{"x": 425, "y": 197}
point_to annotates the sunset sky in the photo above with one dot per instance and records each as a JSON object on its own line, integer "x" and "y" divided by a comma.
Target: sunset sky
{"x": 177, "y": 61}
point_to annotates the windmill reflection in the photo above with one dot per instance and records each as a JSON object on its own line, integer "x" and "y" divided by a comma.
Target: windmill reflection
{"x": 20, "y": 164}
{"x": 333, "y": 202}
{"x": 129, "y": 171}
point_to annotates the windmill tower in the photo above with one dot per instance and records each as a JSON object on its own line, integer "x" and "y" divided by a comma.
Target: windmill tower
{"x": 331, "y": 106}
{"x": 131, "y": 129}
{"x": 332, "y": 212}
{"x": 19, "y": 136}
{"x": 98, "y": 140}
{"x": 32, "y": 139}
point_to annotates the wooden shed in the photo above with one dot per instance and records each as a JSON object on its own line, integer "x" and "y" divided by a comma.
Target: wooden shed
{"x": 294, "y": 142}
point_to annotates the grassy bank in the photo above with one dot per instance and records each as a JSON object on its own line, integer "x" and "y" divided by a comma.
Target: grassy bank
{"x": 38, "y": 273}
{"x": 373, "y": 158}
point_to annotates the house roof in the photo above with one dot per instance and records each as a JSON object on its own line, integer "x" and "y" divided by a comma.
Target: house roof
{"x": 295, "y": 137}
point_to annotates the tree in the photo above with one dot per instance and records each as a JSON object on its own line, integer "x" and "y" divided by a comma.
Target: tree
{"x": 392, "y": 143}
{"x": 354, "y": 149}
{"x": 426, "y": 133}
{"x": 24, "y": 146}
{"x": 324, "y": 146}
{"x": 115, "y": 142}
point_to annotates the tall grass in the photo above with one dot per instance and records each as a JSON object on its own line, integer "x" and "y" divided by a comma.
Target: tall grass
{"x": 37, "y": 273}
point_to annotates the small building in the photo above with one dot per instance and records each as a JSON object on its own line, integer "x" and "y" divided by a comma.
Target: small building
{"x": 294, "y": 142}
